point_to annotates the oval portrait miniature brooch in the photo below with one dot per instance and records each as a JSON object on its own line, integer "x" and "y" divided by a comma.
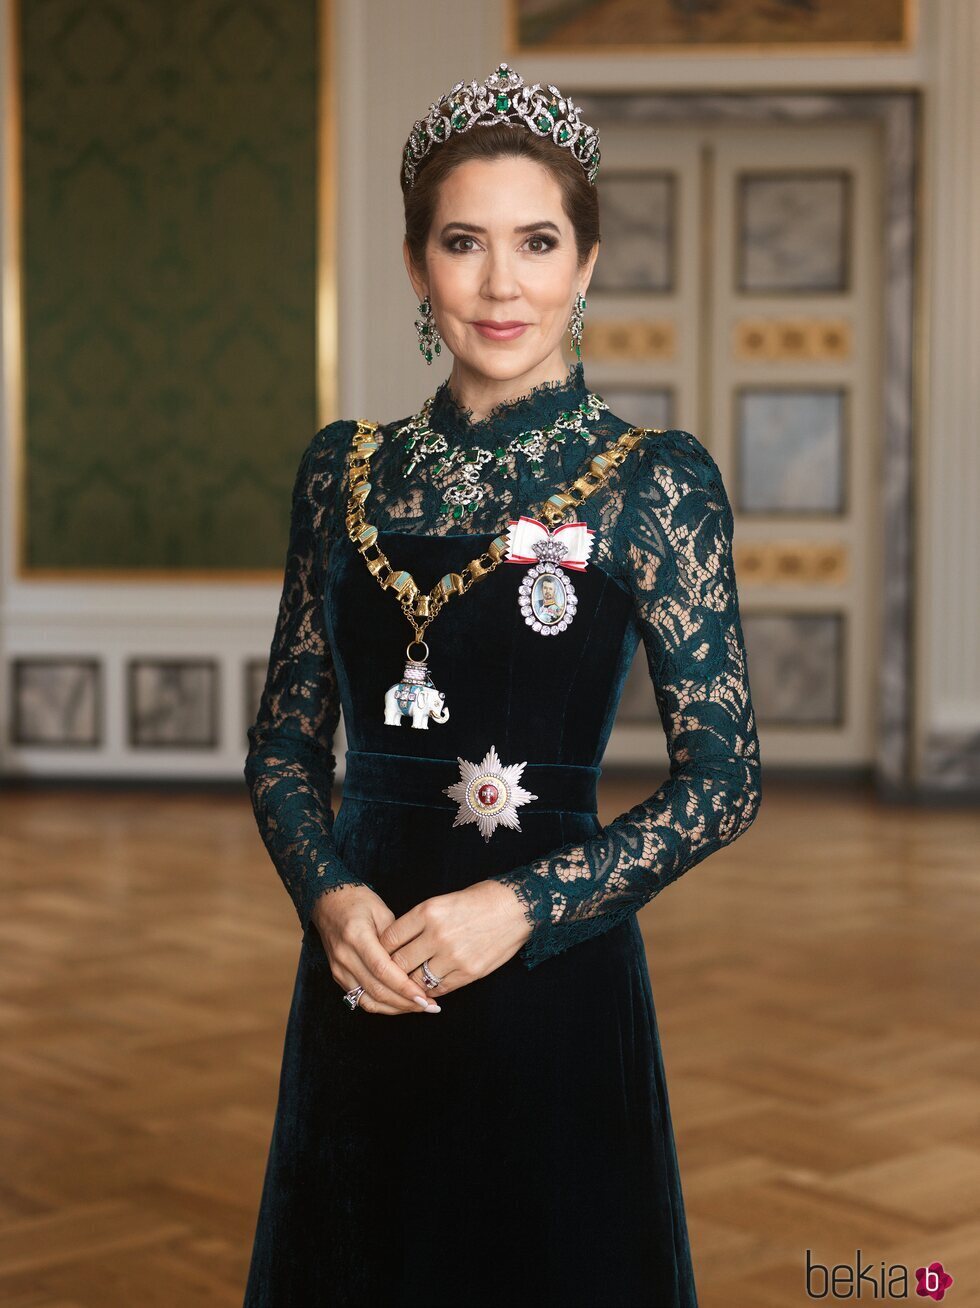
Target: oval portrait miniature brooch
{"x": 546, "y": 596}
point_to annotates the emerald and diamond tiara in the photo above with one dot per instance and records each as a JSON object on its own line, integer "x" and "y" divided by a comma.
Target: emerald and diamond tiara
{"x": 503, "y": 98}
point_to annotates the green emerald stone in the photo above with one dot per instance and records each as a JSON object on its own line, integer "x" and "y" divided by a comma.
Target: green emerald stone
{"x": 502, "y": 103}
{"x": 500, "y": 452}
{"x": 564, "y": 134}
{"x": 457, "y": 511}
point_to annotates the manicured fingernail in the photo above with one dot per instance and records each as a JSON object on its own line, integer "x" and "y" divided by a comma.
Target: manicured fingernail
{"x": 420, "y": 999}
{"x": 433, "y": 1008}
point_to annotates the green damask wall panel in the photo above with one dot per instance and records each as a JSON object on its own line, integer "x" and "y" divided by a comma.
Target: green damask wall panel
{"x": 169, "y": 246}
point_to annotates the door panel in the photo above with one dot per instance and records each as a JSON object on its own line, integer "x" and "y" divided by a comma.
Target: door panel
{"x": 738, "y": 296}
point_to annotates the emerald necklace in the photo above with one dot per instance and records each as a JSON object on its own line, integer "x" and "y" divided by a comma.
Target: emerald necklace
{"x": 419, "y": 443}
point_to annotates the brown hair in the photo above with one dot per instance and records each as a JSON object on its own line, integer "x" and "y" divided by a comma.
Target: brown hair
{"x": 579, "y": 198}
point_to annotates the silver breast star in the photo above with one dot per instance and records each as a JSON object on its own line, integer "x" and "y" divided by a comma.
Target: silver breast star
{"x": 488, "y": 793}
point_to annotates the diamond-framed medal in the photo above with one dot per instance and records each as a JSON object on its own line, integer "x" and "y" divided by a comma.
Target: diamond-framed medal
{"x": 546, "y": 596}
{"x": 547, "y": 599}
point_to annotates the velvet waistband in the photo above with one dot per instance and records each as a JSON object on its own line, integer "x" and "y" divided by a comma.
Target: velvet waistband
{"x": 406, "y": 779}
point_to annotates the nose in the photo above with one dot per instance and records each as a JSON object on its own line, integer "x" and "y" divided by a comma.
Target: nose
{"x": 501, "y": 281}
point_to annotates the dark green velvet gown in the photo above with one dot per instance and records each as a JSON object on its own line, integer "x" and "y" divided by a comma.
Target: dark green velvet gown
{"x": 516, "y": 1148}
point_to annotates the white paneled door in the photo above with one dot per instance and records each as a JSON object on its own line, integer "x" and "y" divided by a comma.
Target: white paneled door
{"x": 738, "y": 296}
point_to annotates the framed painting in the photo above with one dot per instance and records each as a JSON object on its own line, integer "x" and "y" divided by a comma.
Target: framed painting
{"x": 585, "y": 26}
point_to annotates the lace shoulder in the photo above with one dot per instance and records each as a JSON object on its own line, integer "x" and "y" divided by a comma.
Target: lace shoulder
{"x": 675, "y": 508}
{"x": 322, "y": 466}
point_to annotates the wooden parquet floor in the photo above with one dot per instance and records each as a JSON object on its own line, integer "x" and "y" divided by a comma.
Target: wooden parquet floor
{"x": 816, "y": 988}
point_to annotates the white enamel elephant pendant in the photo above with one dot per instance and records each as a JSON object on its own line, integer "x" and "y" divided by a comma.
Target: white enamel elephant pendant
{"x": 415, "y": 697}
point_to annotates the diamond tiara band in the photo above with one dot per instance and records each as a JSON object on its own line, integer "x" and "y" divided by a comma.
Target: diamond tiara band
{"x": 502, "y": 98}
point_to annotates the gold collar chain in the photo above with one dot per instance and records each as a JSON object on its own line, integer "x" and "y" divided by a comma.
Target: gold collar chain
{"x": 421, "y": 607}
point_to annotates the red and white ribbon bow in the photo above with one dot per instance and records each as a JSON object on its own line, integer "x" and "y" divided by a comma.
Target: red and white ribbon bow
{"x": 524, "y": 532}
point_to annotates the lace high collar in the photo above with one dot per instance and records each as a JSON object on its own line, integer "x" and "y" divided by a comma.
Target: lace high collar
{"x": 538, "y": 407}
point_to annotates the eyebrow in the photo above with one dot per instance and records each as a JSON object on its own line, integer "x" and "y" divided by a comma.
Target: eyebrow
{"x": 482, "y": 231}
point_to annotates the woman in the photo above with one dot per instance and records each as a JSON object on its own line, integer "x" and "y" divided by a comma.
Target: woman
{"x": 519, "y": 1150}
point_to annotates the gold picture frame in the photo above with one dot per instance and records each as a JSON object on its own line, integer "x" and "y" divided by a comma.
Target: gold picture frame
{"x": 729, "y": 27}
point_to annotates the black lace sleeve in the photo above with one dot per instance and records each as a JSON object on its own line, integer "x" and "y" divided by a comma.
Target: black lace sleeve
{"x": 290, "y": 763}
{"x": 674, "y": 542}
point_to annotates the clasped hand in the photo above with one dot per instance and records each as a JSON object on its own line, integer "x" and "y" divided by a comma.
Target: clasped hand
{"x": 462, "y": 936}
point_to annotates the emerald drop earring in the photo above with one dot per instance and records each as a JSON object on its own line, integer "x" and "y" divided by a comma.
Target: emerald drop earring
{"x": 430, "y": 342}
{"x": 575, "y": 323}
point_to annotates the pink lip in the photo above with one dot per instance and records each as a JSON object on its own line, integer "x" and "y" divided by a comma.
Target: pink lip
{"x": 500, "y": 331}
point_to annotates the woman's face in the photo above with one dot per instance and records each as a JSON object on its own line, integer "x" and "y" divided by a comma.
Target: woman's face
{"x": 502, "y": 250}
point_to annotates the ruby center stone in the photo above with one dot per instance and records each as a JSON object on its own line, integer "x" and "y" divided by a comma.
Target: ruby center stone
{"x": 488, "y": 794}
